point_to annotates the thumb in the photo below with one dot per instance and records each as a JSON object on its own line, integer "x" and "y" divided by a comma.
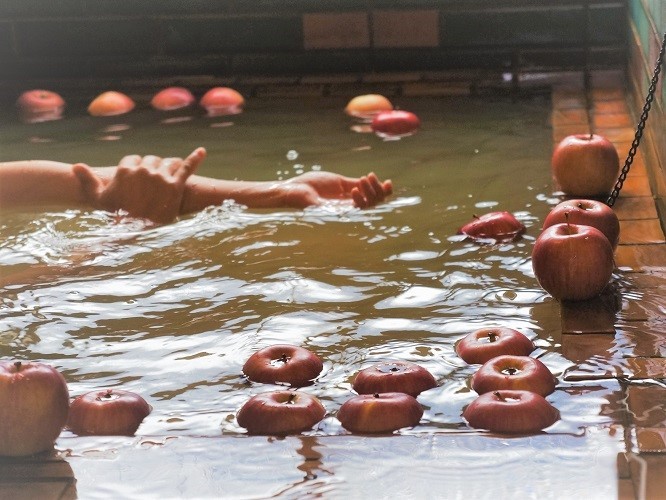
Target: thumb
{"x": 91, "y": 184}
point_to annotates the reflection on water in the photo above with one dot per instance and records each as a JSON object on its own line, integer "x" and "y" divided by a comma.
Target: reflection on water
{"x": 173, "y": 312}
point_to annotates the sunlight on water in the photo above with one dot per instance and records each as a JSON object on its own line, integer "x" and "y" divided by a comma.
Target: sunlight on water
{"x": 173, "y": 312}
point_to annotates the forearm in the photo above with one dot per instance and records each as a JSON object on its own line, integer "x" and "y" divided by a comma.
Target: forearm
{"x": 36, "y": 182}
{"x": 201, "y": 192}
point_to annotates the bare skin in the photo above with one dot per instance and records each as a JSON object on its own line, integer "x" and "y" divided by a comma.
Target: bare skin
{"x": 160, "y": 189}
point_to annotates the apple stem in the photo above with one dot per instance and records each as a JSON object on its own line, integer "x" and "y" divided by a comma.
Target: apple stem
{"x": 492, "y": 337}
{"x": 376, "y": 395}
{"x": 283, "y": 358}
{"x": 591, "y": 135}
{"x": 291, "y": 399}
{"x": 18, "y": 365}
{"x": 499, "y": 396}
{"x": 511, "y": 371}
{"x": 108, "y": 393}
{"x": 474, "y": 216}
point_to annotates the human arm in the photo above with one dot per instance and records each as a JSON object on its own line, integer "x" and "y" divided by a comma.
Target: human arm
{"x": 309, "y": 189}
{"x": 148, "y": 187}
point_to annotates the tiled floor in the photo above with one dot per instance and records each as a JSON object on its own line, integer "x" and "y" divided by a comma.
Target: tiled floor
{"x": 591, "y": 329}
{"x": 594, "y": 328}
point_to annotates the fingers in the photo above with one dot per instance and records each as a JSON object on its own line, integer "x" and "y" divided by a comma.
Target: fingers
{"x": 91, "y": 185}
{"x": 190, "y": 164}
{"x": 371, "y": 191}
{"x": 130, "y": 161}
{"x": 151, "y": 162}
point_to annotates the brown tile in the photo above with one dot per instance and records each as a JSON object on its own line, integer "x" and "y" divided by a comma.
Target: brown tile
{"x": 569, "y": 116}
{"x": 646, "y": 405}
{"x": 636, "y": 185}
{"x": 626, "y": 368}
{"x": 625, "y": 489}
{"x": 583, "y": 347}
{"x": 608, "y": 94}
{"x": 639, "y": 339}
{"x": 333, "y": 30}
{"x": 32, "y": 491}
{"x": 656, "y": 476}
{"x": 596, "y": 315}
{"x": 562, "y": 131}
{"x": 646, "y": 368}
{"x": 615, "y": 106}
{"x": 638, "y": 258}
{"x": 605, "y": 121}
{"x": 644, "y": 231}
{"x": 566, "y": 99}
{"x": 616, "y": 135}
{"x": 651, "y": 440}
{"x": 24, "y": 470}
{"x": 635, "y": 207}
{"x": 405, "y": 28}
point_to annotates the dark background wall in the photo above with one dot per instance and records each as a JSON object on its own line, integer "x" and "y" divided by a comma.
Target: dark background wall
{"x": 44, "y": 40}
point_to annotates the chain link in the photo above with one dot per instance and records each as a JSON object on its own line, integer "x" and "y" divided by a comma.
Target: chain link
{"x": 639, "y": 129}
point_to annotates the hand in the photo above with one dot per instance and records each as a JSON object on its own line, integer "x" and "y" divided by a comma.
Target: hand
{"x": 147, "y": 187}
{"x": 314, "y": 188}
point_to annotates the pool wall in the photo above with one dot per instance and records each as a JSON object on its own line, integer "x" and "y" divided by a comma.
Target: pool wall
{"x": 121, "y": 39}
{"x": 647, "y": 27}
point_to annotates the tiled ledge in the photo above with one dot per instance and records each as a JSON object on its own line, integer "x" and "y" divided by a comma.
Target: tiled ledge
{"x": 623, "y": 335}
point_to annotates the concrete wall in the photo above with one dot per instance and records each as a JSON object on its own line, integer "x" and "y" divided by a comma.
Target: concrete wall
{"x": 119, "y": 39}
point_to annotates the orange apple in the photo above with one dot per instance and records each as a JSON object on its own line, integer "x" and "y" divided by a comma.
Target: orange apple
{"x": 110, "y": 103}
{"x": 40, "y": 106}
{"x": 220, "y": 101}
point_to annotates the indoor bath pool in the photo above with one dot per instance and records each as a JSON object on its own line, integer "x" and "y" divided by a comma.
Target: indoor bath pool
{"x": 173, "y": 312}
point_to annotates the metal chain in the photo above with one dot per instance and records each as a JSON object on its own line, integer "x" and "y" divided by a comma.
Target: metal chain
{"x": 639, "y": 129}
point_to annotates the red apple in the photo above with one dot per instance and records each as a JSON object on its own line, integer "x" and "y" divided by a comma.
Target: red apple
{"x": 498, "y": 226}
{"x": 172, "y": 98}
{"x": 220, "y": 101}
{"x": 367, "y": 106}
{"x": 34, "y": 402}
{"x": 484, "y": 344}
{"x": 395, "y": 123}
{"x": 286, "y": 364}
{"x": 394, "y": 376}
{"x": 280, "y": 412}
{"x": 514, "y": 372}
{"x": 380, "y": 413}
{"x": 572, "y": 262}
{"x": 511, "y": 412}
{"x": 40, "y": 106}
{"x": 586, "y": 213}
{"x": 109, "y": 412}
{"x": 110, "y": 103}
{"x": 585, "y": 165}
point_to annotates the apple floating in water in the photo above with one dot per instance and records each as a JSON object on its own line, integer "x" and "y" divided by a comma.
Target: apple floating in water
{"x": 172, "y": 98}
{"x": 283, "y": 363}
{"x": 221, "y": 101}
{"x": 34, "y": 402}
{"x": 111, "y": 103}
{"x": 497, "y": 226}
{"x": 280, "y": 413}
{"x": 37, "y": 106}
{"x": 586, "y": 213}
{"x": 514, "y": 372}
{"x": 380, "y": 413}
{"x": 511, "y": 412}
{"x": 585, "y": 165}
{"x": 394, "y": 376}
{"x": 366, "y": 107}
{"x": 572, "y": 261}
{"x": 395, "y": 124}
{"x": 486, "y": 343}
{"x": 110, "y": 412}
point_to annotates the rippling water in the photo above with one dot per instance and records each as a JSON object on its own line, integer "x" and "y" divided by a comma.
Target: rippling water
{"x": 173, "y": 312}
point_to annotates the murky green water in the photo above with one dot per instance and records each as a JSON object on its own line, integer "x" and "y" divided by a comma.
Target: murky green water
{"x": 173, "y": 312}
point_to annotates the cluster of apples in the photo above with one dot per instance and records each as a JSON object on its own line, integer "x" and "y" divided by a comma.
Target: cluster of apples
{"x": 35, "y": 407}
{"x": 511, "y": 384}
{"x": 385, "y": 400}
{"x": 572, "y": 258}
{"x": 45, "y": 105}
{"x": 384, "y": 120}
